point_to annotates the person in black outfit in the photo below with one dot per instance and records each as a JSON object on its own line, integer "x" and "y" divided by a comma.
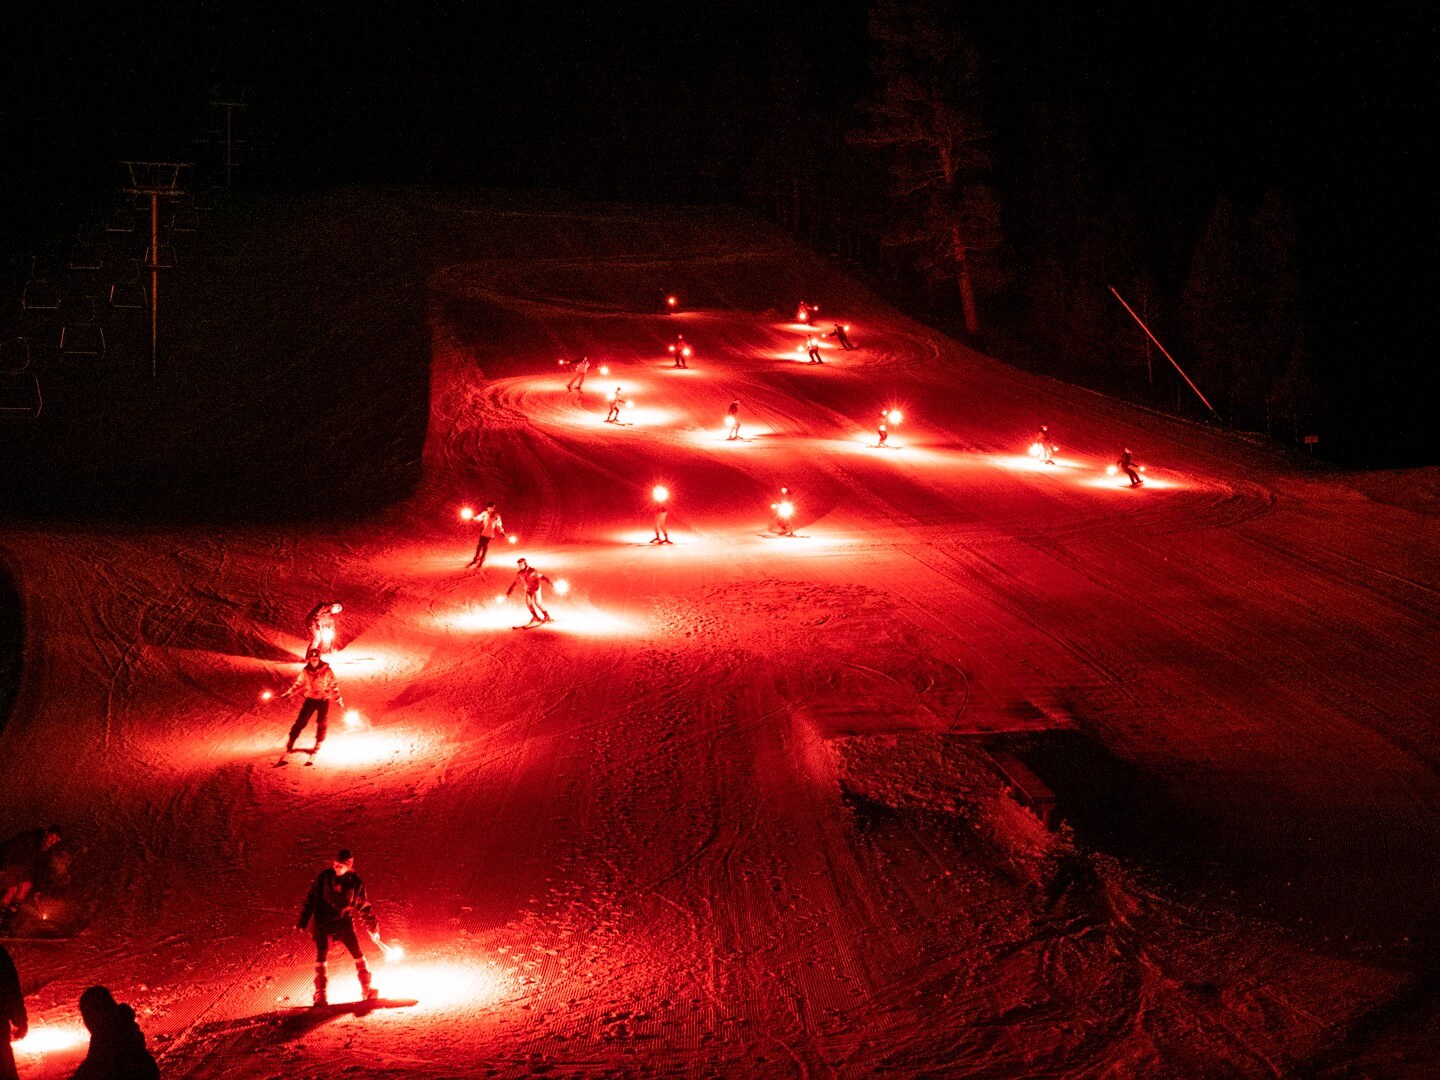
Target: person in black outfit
{"x": 1128, "y": 468}
{"x": 22, "y": 859}
{"x": 842, "y": 337}
{"x": 14, "y": 1024}
{"x": 335, "y": 901}
{"x": 117, "y": 1045}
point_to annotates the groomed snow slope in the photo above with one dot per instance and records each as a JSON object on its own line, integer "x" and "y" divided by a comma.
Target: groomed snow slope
{"x": 733, "y": 814}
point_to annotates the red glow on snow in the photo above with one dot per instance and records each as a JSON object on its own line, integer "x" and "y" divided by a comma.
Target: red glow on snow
{"x": 499, "y": 614}
{"x": 442, "y": 984}
{"x": 368, "y": 660}
{"x": 365, "y": 749}
{"x": 45, "y": 1039}
{"x": 1122, "y": 483}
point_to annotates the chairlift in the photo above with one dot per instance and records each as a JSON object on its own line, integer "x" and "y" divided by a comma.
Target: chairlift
{"x": 20, "y": 397}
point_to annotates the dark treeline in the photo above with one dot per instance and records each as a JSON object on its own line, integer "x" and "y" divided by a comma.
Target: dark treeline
{"x": 1248, "y": 180}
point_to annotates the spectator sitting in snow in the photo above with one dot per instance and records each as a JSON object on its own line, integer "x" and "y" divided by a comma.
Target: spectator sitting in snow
{"x": 117, "y": 1046}
{"x": 22, "y": 858}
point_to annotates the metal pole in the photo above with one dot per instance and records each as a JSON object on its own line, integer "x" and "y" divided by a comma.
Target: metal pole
{"x": 1162, "y": 348}
{"x": 154, "y": 281}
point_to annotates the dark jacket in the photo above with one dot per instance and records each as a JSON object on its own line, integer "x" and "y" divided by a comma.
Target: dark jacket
{"x": 12, "y": 1011}
{"x": 117, "y": 1046}
{"x": 334, "y": 900}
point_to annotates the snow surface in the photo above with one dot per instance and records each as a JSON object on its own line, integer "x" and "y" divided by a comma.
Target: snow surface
{"x": 733, "y": 813}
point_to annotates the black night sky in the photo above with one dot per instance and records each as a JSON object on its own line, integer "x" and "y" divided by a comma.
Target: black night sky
{"x": 1175, "y": 107}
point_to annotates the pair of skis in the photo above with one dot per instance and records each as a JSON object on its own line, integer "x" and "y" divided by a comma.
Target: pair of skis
{"x": 285, "y": 757}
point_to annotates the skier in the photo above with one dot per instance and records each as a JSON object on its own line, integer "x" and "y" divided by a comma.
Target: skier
{"x": 317, "y": 681}
{"x": 22, "y": 858}
{"x": 784, "y": 509}
{"x": 812, "y": 346}
{"x": 660, "y": 504}
{"x": 577, "y": 381}
{"x": 531, "y": 578}
{"x": 333, "y": 904}
{"x": 840, "y": 335}
{"x": 613, "y": 416}
{"x": 1047, "y": 447}
{"x": 681, "y": 351}
{"x": 883, "y": 430}
{"x": 117, "y": 1045}
{"x": 14, "y": 1023}
{"x": 322, "y": 624}
{"x": 1128, "y": 467}
{"x": 805, "y": 311}
{"x": 490, "y": 524}
{"x": 732, "y": 421}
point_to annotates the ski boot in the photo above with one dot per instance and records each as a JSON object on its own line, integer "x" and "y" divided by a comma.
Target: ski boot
{"x": 367, "y": 989}
{"x": 320, "y": 981}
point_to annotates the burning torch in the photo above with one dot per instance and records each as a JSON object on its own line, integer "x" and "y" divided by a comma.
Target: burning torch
{"x": 393, "y": 953}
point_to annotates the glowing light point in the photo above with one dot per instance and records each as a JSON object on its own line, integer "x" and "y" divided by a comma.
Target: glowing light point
{"x": 671, "y": 301}
{"x": 353, "y": 720}
{"x": 604, "y": 369}
{"x": 562, "y": 586}
{"x": 327, "y": 637}
{"x": 1111, "y": 470}
{"x": 785, "y": 509}
{"x": 466, "y": 513}
{"x": 512, "y": 539}
{"x": 660, "y": 493}
{"x": 894, "y": 416}
{"x": 1035, "y": 450}
{"x": 730, "y": 421}
{"x": 499, "y": 600}
{"x": 266, "y": 695}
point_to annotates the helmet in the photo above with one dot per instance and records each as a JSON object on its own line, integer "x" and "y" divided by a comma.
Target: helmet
{"x": 335, "y": 609}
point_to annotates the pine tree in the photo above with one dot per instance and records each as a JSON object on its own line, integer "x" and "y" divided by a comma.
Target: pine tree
{"x": 927, "y": 121}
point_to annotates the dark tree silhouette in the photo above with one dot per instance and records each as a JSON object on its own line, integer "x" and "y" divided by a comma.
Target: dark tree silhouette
{"x": 926, "y": 119}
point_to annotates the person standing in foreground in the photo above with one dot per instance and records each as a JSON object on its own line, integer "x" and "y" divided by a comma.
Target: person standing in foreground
{"x": 333, "y": 904}
{"x": 13, "y": 1019}
{"x": 531, "y": 578}
{"x": 812, "y": 346}
{"x": 319, "y": 686}
{"x": 490, "y": 524}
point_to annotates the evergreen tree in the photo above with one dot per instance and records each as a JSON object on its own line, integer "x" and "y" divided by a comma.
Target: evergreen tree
{"x": 927, "y": 121}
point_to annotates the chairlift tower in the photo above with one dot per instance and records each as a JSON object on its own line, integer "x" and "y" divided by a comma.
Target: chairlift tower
{"x": 155, "y": 180}
{"x": 229, "y": 107}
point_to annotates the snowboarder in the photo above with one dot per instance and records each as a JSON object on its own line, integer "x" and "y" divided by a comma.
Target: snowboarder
{"x": 732, "y": 421}
{"x": 531, "y": 578}
{"x": 1127, "y": 466}
{"x": 490, "y": 524}
{"x": 322, "y": 625}
{"x": 840, "y": 334}
{"x": 660, "y": 504}
{"x": 784, "y": 508}
{"x": 117, "y": 1045}
{"x": 577, "y": 381}
{"x": 1047, "y": 446}
{"x": 805, "y": 311}
{"x": 22, "y": 858}
{"x": 812, "y": 346}
{"x": 333, "y": 904}
{"x": 320, "y": 687}
{"x": 681, "y": 351}
{"x": 613, "y": 416}
{"x": 14, "y": 1023}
